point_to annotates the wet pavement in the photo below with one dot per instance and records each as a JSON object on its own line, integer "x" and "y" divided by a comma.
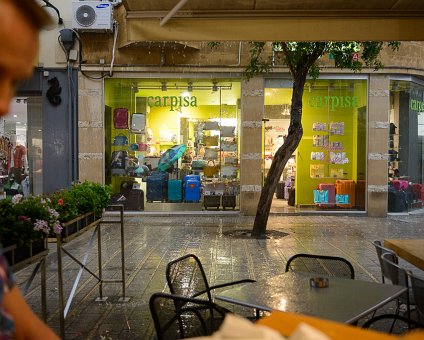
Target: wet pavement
{"x": 226, "y": 251}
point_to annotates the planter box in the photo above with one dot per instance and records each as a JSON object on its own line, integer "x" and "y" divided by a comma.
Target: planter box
{"x": 21, "y": 256}
{"x": 78, "y": 225}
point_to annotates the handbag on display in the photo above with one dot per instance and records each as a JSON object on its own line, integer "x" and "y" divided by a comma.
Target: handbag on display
{"x": 211, "y": 169}
{"x": 211, "y": 154}
{"x": 227, "y": 131}
{"x": 120, "y": 140}
{"x": 198, "y": 164}
{"x": 229, "y": 146}
{"x": 119, "y": 162}
{"x": 229, "y": 171}
{"x": 138, "y": 122}
{"x": 212, "y": 125}
{"x": 120, "y": 118}
{"x": 210, "y": 140}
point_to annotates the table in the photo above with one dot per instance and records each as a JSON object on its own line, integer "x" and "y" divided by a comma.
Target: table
{"x": 285, "y": 323}
{"x": 345, "y": 300}
{"x": 410, "y": 250}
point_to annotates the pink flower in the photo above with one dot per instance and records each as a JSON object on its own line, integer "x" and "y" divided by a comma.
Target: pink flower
{"x": 23, "y": 218}
{"x": 60, "y": 201}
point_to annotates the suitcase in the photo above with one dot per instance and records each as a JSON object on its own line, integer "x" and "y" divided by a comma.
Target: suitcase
{"x": 195, "y": 177}
{"x": 360, "y": 194}
{"x": 416, "y": 191}
{"x": 228, "y": 201}
{"x": 346, "y": 187}
{"x": 291, "y": 197}
{"x": 211, "y": 201}
{"x": 396, "y": 200}
{"x": 175, "y": 190}
{"x": 330, "y": 187}
{"x": 135, "y": 200}
{"x": 400, "y": 184}
{"x": 192, "y": 190}
{"x": 279, "y": 190}
{"x": 157, "y": 187}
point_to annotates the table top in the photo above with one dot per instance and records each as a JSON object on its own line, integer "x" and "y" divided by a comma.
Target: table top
{"x": 410, "y": 250}
{"x": 345, "y": 300}
{"x": 285, "y": 323}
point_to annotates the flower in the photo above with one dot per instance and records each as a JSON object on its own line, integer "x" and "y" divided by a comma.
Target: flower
{"x": 41, "y": 225}
{"x": 60, "y": 201}
{"x": 17, "y": 198}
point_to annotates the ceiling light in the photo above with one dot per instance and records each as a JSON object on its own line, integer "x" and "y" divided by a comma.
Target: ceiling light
{"x": 215, "y": 86}
{"x": 163, "y": 87}
{"x": 190, "y": 87}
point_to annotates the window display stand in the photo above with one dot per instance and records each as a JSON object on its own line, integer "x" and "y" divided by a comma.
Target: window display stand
{"x": 64, "y": 310}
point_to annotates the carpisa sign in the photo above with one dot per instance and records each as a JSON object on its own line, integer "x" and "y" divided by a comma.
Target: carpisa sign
{"x": 333, "y": 102}
{"x": 173, "y": 101}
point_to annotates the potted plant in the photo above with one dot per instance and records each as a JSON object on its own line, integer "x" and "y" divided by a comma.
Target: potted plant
{"x": 81, "y": 205}
{"x": 24, "y": 226}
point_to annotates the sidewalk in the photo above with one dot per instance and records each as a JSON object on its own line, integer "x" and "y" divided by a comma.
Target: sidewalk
{"x": 152, "y": 241}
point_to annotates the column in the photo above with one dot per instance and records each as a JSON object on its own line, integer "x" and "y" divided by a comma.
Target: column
{"x": 90, "y": 130}
{"x": 378, "y": 136}
{"x": 252, "y": 107}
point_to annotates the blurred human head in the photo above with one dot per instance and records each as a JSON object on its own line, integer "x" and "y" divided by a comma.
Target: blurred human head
{"x": 20, "y": 22}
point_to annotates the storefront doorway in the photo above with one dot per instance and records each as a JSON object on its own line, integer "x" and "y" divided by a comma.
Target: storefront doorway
{"x": 327, "y": 172}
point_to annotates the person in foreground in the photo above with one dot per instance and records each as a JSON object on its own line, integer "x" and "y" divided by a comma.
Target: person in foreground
{"x": 20, "y": 22}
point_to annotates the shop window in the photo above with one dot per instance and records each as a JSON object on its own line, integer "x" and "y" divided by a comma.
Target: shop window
{"x": 405, "y": 146}
{"x": 327, "y": 171}
{"x": 173, "y": 141}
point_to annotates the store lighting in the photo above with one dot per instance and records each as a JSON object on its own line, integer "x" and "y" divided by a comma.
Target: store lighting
{"x": 163, "y": 86}
{"x": 311, "y": 88}
{"x": 190, "y": 87}
{"x": 215, "y": 86}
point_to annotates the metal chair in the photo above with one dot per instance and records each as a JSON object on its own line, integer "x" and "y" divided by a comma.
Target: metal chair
{"x": 417, "y": 290}
{"x": 186, "y": 277}
{"x": 380, "y": 251}
{"x": 178, "y": 317}
{"x": 321, "y": 264}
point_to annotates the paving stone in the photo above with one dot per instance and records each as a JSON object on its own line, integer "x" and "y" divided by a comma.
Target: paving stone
{"x": 152, "y": 241}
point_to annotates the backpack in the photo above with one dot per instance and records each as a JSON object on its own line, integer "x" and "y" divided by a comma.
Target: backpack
{"x": 120, "y": 118}
{"x": 119, "y": 160}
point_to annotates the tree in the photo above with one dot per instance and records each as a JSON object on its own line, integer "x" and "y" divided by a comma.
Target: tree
{"x": 302, "y": 60}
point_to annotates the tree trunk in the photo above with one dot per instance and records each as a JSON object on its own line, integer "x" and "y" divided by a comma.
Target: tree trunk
{"x": 281, "y": 156}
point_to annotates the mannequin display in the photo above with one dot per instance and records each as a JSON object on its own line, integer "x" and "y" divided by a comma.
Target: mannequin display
{"x": 25, "y": 186}
{"x": 150, "y": 141}
{"x": 17, "y": 159}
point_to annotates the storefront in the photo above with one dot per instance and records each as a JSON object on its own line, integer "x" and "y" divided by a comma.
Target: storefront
{"x": 328, "y": 169}
{"x": 405, "y": 146}
{"x": 173, "y": 144}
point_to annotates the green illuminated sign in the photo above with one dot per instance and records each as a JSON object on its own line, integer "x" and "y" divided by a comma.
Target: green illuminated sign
{"x": 333, "y": 102}
{"x": 416, "y": 105}
{"x": 173, "y": 101}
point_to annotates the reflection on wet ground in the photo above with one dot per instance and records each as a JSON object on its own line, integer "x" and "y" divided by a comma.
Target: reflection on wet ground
{"x": 226, "y": 254}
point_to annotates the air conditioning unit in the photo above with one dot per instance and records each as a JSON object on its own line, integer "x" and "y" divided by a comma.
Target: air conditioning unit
{"x": 92, "y": 16}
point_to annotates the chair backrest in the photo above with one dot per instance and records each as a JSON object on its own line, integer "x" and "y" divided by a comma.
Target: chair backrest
{"x": 417, "y": 286}
{"x": 177, "y": 317}
{"x": 321, "y": 264}
{"x": 380, "y": 251}
{"x": 186, "y": 277}
{"x": 395, "y": 273}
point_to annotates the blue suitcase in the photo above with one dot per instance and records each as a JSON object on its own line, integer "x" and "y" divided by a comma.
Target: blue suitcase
{"x": 192, "y": 191}
{"x": 175, "y": 190}
{"x": 195, "y": 177}
{"x": 157, "y": 187}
